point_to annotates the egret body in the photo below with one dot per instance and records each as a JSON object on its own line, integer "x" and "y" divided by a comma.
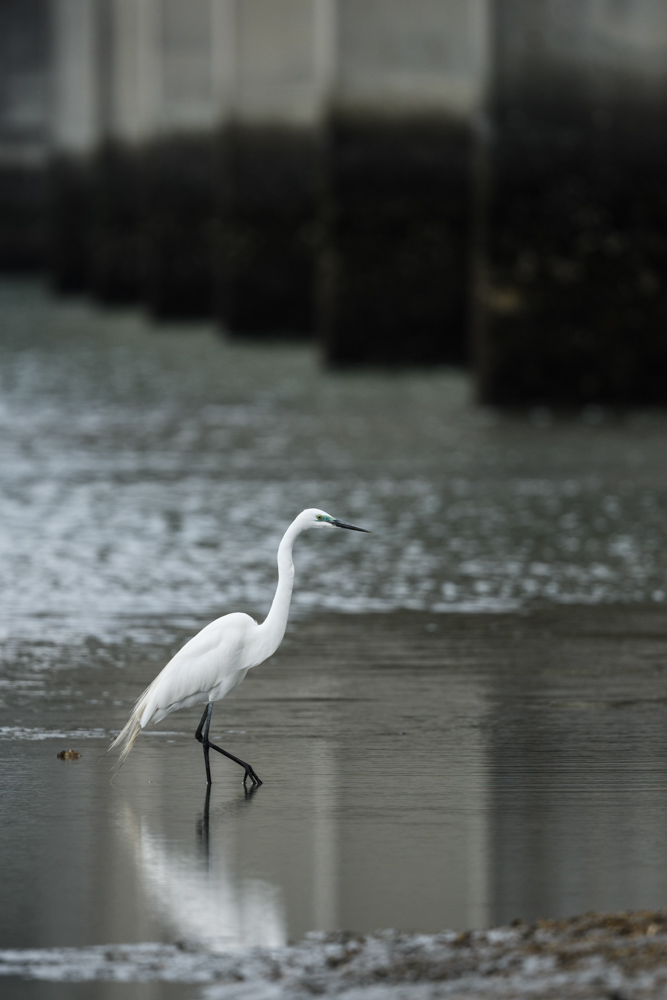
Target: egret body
{"x": 216, "y": 660}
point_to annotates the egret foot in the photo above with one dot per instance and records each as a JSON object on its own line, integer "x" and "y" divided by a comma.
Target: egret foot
{"x": 202, "y": 736}
{"x": 249, "y": 773}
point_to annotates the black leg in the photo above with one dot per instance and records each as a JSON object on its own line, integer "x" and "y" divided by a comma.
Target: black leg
{"x": 206, "y": 718}
{"x": 207, "y": 712}
{"x": 202, "y": 736}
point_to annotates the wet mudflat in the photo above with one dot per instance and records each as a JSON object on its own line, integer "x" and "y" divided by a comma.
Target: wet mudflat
{"x": 464, "y": 726}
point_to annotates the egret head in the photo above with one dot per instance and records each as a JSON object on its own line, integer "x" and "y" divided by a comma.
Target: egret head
{"x": 315, "y": 518}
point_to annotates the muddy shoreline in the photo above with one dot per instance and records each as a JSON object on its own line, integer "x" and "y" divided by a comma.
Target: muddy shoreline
{"x": 620, "y": 955}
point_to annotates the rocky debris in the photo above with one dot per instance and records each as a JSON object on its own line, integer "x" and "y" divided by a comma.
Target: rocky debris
{"x": 591, "y": 957}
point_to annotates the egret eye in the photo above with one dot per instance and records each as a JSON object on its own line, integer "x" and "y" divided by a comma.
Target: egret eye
{"x": 319, "y": 517}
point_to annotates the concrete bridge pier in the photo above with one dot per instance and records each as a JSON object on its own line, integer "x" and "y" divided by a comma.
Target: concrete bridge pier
{"x": 271, "y": 147}
{"x": 195, "y": 62}
{"x": 573, "y": 295}
{"x": 406, "y": 89}
{"x": 74, "y": 134}
{"x": 24, "y": 71}
{"x": 127, "y": 68}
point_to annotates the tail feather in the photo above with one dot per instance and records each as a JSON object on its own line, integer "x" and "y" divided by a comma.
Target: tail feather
{"x": 128, "y": 735}
{"x": 126, "y": 738}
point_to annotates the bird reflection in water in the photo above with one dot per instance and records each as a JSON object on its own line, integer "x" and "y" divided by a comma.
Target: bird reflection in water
{"x": 200, "y": 894}
{"x": 203, "y": 823}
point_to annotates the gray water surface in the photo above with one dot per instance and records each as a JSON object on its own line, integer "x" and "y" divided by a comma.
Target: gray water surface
{"x": 153, "y": 470}
{"x": 418, "y": 774}
{"x": 421, "y": 769}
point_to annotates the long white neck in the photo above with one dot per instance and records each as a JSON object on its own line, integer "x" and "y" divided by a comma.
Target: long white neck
{"x": 273, "y": 627}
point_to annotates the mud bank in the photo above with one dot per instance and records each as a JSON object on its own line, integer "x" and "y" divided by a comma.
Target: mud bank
{"x": 591, "y": 956}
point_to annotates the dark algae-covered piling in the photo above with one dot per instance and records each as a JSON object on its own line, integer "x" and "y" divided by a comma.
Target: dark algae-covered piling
{"x": 266, "y": 241}
{"x": 116, "y": 258}
{"x": 395, "y": 269}
{"x": 178, "y": 225}
{"x": 22, "y": 213}
{"x": 68, "y": 242}
{"x": 24, "y": 111}
{"x": 78, "y": 106}
{"x": 574, "y": 301}
{"x": 268, "y": 180}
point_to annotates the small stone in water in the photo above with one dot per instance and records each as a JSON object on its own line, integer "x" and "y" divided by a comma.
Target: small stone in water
{"x": 69, "y": 755}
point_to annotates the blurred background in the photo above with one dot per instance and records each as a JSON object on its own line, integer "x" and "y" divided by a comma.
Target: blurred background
{"x": 402, "y": 261}
{"x": 451, "y": 182}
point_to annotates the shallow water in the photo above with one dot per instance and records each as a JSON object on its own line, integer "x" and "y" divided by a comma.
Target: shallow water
{"x": 422, "y": 770}
{"x": 418, "y": 773}
{"x": 153, "y": 470}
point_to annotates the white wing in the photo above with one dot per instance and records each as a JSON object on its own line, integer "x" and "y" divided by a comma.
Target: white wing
{"x": 207, "y": 667}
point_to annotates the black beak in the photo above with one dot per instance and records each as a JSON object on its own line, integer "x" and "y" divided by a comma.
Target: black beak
{"x": 352, "y": 527}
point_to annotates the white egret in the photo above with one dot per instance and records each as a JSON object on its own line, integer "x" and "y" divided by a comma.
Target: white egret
{"x": 216, "y": 660}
